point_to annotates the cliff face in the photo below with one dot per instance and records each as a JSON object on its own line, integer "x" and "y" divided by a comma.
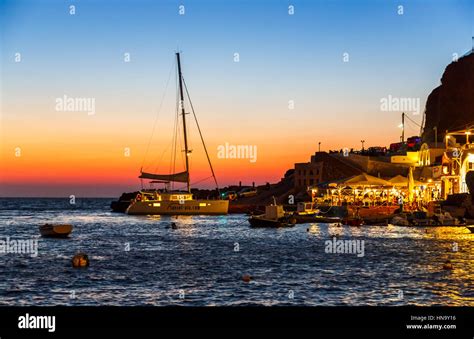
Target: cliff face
{"x": 450, "y": 106}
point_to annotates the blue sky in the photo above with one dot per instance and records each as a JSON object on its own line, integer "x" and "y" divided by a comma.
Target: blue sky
{"x": 294, "y": 51}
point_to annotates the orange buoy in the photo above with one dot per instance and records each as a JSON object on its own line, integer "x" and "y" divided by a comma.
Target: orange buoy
{"x": 80, "y": 260}
{"x": 448, "y": 265}
{"x": 246, "y": 278}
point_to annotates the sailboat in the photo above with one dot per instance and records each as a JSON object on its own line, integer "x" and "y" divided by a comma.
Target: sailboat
{"x": 176, "y": 202}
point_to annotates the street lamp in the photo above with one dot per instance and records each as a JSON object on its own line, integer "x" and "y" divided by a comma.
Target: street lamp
{"x": 362, "y": 141}
{"x": 319, "y": 146}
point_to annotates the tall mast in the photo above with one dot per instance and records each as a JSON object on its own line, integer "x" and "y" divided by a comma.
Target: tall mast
{"x": 403, "y": 127}
{"x": 183, "y": 113}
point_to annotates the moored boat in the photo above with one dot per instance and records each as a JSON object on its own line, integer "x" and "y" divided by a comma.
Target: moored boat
{"x": 306, "y": 209}
{"x": 169, "y": 201}
{"x": 55, "y": 231}
{"x": 274, "y": 217}
{"x": 175, "y": 203}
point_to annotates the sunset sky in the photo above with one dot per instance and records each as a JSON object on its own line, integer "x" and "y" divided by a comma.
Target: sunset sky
{"x": 282, "y": 57}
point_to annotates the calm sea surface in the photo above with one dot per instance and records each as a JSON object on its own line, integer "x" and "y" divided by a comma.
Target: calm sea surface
{"x": 198, "y": 263}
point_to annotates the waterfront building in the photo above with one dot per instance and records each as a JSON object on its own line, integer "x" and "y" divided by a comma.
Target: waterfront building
{"x": 322, "y": 167}
{"x": 458, "y": 160}
{"x": 308, "y": 174}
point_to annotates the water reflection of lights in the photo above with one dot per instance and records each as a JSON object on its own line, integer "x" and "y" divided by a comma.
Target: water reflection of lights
{"x": 314, "y": 229}
{"x": 154, "y": 217}
{"x": 198, "y": 258}
{"x": 454, "y": 244}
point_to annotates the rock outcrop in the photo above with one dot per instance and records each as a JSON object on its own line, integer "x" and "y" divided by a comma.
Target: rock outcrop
{"x": 470, "y": 183}
{"x": 450, "y": 106}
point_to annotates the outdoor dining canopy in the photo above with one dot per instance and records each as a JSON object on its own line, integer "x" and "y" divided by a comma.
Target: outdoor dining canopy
{"x": 365, "y": 187}
{"x": 365, "y": 179}
{"x": 399, "y": 180}
{"x": 362, "y": 187}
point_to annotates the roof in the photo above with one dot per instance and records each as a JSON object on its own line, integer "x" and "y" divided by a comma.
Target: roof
{"x": 365, "y": 179}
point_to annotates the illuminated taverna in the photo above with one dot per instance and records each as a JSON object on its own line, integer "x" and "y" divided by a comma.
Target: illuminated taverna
{"x": 443, "y": 165}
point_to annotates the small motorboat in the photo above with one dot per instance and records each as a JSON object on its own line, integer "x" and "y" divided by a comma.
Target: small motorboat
{"x": 55, "y": 231}
{"x": 306, "y": 208}
{"x": 470, "y": 228}
{"x": 445, "y": 219}
{"x": 274, "y": 217}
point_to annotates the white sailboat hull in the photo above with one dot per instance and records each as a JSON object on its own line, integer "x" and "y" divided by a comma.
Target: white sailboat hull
{"x": 186, "y": 207}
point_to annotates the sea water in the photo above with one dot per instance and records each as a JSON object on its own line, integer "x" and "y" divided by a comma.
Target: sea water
{"x": 140, "y": 260}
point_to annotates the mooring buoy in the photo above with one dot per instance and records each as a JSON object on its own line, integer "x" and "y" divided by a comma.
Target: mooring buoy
{"x": 80, "y": 260}
{"x": 246, "y": 278}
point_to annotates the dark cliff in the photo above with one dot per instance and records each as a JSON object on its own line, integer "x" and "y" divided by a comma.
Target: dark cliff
{"x": 450, "y": 106}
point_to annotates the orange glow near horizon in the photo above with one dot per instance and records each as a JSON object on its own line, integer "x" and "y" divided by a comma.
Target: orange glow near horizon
{"x": 87, "y": 157}
{"x": 77, "y": 150}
